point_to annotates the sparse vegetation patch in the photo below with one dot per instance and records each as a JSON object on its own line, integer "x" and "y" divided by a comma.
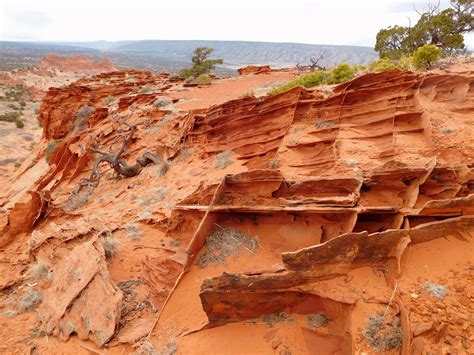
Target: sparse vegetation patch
{"x": 110, "y": 245}
{"x": 30, "y": 301}
{"x": 133, "y": 232}
{"x": 50, "y": 149}
{"x": 435, "y": 290}
{"x": 383, "y": 335}
{"x": 13, "y": 117}
{"x": 317, "y": 320}
{"x": 274, "y": 318}
{"x": 223, "y": 159}
{"x": 223, "y": 242}
{"x": 39, "y": 270}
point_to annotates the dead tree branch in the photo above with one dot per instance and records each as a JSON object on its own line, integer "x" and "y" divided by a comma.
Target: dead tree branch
{"x": 120, "y": 165}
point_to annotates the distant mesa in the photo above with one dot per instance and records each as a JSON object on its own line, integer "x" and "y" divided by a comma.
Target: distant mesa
{"x": 76, "y": 63}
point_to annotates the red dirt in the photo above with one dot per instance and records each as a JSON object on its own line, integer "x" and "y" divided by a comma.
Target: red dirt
{"x": 352, "y": 203}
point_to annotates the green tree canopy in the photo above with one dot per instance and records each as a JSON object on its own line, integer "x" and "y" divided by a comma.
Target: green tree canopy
{"x": 201, "y": 63}
{"x": 443, "y": 29}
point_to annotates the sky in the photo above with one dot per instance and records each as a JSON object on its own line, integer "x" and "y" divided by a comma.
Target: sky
{"x": 316, "y": 21}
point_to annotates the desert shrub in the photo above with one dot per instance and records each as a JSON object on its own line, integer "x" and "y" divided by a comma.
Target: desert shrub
{"x": 10, "y": 116}
{"x": 273, "y": 163}
{"x": 317, "y": 320}
{"x": 381, "y": 65}
{"x": 435, "y": 290}
{"x": 274, "y": 318}
{"x": 78, "y": 200}
{"x": 383, "y": 335}
{"x": 108, "y": 100}
{"x": 82, "y": 116}
{"x": 343, "y": 72}
{"x": 162, "y": 101}
{"x": 203, "y": 79}
{"x": 447, "y": 130}
{"x": 223, "y": 159}
{"x": 405, "y": 62}
{"x": 22, "y": 103}
{"x": 223, "y": 242}
{"x": 133, "y": 232}
{"x": 425, "y": 56}
{"x": 315, "y": 78}
{"x": 186, "y": 73}
{"x": 16, "y": 93}
{"x": 39, "y": 270}
{"x": 110, "y": 246}
{"x": 154, "y": 196}
{"x": 19, "y": 123}
{"x": 50, "y": 149}
{"x": 30, "y": 301}
{"x": 17, "y": 164}
{"x": 324, "y": 124}
{"x": 247, "y": 94}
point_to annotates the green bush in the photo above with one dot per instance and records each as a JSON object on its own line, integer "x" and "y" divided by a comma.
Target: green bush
{"x": 385, "y": 64}
{"x": 310, "y": 80}
{"x": 13, "y": 117}
{"x": 343, "y": 72}
{"x": 19, "y": 123}
{"x": 186, "y": 73}
{"x": 203, "y": 79}
{"x": 405, "y": 62}
{"x": 425, "y": 56}
{"x": 381, "y": 65}
{"x": 10, "y": 116}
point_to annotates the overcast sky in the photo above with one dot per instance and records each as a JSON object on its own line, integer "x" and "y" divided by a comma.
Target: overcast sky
{"x": 317, "y": 22}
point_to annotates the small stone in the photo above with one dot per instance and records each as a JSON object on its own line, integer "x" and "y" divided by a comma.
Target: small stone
{"x": 466, "y": 325}
{"x": 276, "y": 343}
{"x": 414, "y": 295}
{"x": 422, "y": 327}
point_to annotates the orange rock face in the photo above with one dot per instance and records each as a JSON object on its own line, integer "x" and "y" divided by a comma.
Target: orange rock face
{"x": 253, "y": 69}
{"x": 342, "y": 222}
{"x": 77, "y": 63}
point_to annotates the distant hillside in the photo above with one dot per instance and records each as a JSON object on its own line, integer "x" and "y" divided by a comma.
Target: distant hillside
{"x": 238, "y": 53}
{"x": 173, "y": 55}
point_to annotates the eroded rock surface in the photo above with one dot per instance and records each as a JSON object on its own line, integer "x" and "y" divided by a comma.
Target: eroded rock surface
{"x": 283, "y": 223}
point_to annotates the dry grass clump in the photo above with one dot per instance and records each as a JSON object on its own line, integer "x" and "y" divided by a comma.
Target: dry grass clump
{"x": 324, "y": 124}
{"x": 110, "y": 246}
{"x": 383, "y": 335}
{"x": 223, "y": 159}
{"x": 223, "y": 242}
{"x": 39, "y": 270}
{"x": 274, "y": 318}
{"x": 435, "y": 290}
{"x": 317, "y": 320}
{"x": 78, "y": 200}
{"x": 30, "y": 301}
{"x": 133, "y": 232}
{"x": 82, "y": 116}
